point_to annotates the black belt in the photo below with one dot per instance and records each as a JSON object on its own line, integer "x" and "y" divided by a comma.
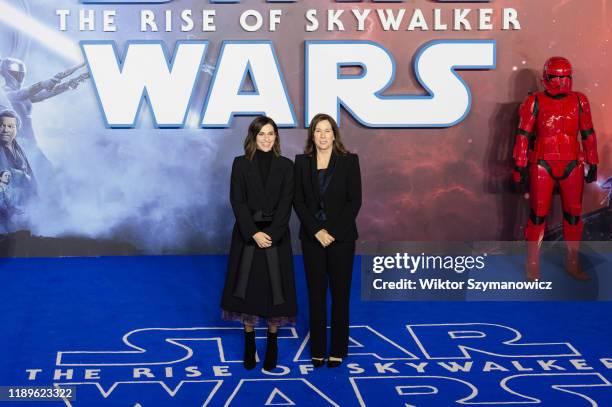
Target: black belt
{"x": 568, "y": 170}
{"x": 263, "y": 217}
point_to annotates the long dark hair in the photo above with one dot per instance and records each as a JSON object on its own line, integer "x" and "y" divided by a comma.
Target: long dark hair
{"x": 250, "y": 142}
{"x": 338, "y": 146}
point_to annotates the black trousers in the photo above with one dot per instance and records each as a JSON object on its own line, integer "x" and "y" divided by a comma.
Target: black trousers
{"x": 331, "y": 266}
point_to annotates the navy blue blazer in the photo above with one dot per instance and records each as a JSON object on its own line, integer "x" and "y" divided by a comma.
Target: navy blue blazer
{"x": 341, "y": 199}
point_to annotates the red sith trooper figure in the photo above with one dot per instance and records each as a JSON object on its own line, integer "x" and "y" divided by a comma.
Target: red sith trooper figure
{"x": 547, "y": 146}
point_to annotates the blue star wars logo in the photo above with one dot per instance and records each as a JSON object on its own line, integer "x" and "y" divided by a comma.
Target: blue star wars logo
{"x": 429, "y": 365}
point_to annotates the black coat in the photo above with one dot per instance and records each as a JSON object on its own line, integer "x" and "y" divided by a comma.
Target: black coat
{"x": 18, "y": 164}
{"x": 247, "y": 196}
{"x": 341, "y": 201}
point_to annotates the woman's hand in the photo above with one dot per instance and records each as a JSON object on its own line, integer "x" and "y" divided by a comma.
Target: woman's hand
{"x": 263, "y": 240}
{"x": 324, "y": 238}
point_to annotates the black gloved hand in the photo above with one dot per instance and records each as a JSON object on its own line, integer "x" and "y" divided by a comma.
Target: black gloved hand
{"x": 592, "y": 174}
{"x": 519, "y": 175}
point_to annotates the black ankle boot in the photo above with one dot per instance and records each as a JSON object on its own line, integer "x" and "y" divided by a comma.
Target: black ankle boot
{"x": 271, "y": 351}
{"x": 318, "y": 362}
{"x": 249, "y": 350}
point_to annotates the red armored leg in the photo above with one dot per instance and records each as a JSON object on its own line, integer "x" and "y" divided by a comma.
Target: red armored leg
{"x": 571, "y": 196}
{"x": 540, "y": 195}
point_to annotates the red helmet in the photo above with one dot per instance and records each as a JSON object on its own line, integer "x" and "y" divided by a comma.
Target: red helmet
{"x": 557, "y": 77}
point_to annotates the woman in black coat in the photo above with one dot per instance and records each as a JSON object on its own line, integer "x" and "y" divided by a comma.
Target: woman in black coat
{"x": 327, "y": 201}
{"x": 260, "y": 280}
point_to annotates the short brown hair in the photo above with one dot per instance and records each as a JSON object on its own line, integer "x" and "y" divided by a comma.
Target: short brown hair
{"x": 250, "y": 142}
{"x": 13, "y": 114}
{"x": 338, "y": 146}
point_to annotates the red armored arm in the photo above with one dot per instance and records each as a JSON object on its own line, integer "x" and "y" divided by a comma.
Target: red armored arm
{"x": 589, "y": 140}
{"x": 527, "y": 118}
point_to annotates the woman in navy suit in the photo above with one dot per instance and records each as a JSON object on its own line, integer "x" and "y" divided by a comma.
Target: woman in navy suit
{"x": 327, "y": 201}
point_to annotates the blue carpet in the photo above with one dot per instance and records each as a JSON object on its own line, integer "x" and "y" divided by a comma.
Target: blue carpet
{"x": 128, "y": 331}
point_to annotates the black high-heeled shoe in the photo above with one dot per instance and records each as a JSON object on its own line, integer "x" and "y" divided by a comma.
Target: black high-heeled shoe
{"x": 271, "y": 351}
{"x": 249, "y": 350}
{"x": 317, "y": 362}
{"x": 334, "y": 363}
